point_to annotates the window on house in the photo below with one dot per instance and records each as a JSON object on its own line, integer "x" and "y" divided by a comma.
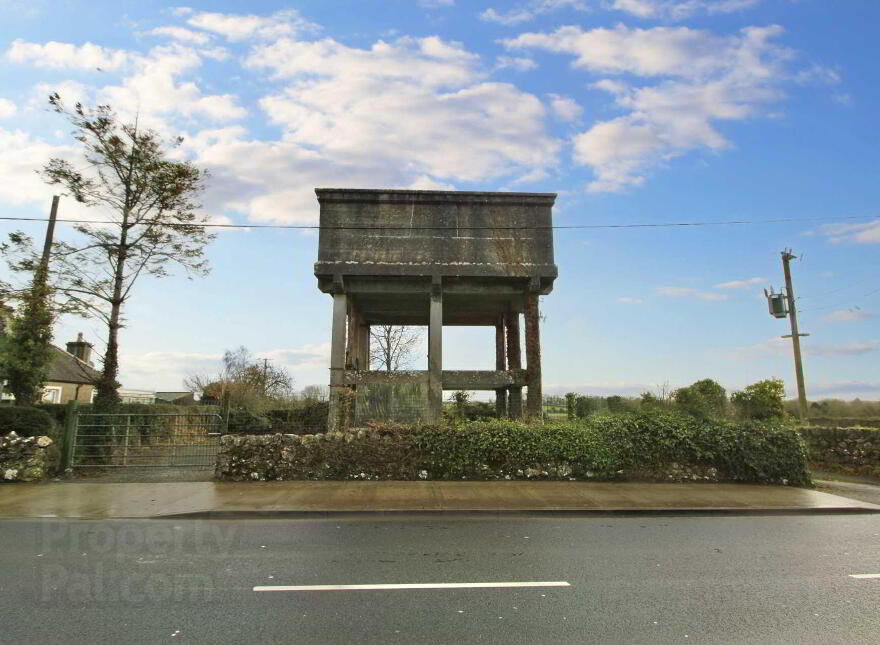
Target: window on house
{"x": 51, "y": 394}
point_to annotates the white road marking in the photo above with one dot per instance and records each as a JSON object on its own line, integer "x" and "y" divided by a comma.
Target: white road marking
{"x": 864, "y": 575}
{"x": 425, "y": 585}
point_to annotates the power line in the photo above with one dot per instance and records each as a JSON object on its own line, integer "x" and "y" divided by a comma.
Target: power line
{"x": 841, "y": 302}
{"x": 838, "y": 290}
{"x": 458, "y": 228}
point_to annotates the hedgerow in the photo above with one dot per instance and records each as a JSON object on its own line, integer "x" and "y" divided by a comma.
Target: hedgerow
{"x": 638, "y": 445}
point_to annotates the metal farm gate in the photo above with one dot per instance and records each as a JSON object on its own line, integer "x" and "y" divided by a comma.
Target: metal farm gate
{"x": 144, "y": 440}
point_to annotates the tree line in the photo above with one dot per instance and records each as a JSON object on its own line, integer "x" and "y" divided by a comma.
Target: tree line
{"x": 704, "y": 399}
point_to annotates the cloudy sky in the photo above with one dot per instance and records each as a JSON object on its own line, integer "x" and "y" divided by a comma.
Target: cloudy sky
{"x": 633, "y": 111}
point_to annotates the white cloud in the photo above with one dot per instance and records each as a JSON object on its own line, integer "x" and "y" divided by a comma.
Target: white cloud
{"x": 71, "y": 92}
{"x": 236, "y": 27}
{"x": 849, "y": 389}
{"x": 630, "y": 301}
{"x": 848, "y": 315}
{"x": 866, "y": 233}
{"x": 530, "y": 10}
{"x": 565, "y": 108}
{"x": 782, "y": 346}
{"x": 678, "y": 9}
{"x": 847, "y": 349}
{"x": 741, "y": 284}
{"x": 155, "y": 89}
{"x": 689, "y": 292}
{"x": 152, "y": 88}
{"x": 401, "y": 110}
{"x": 516, "y": 63}
{"x": 660, "y": 51}
{"x": 21, "y": 155}
{"x": 667, "y": 10}
{"x": 55, "y": 55}
{"x": 704, "y": 78}
{"x": 511, "y": 17}
{"x": 600, "y": 388}
{"x": 7, "y": 108}
{"x": 182, "y": 34}
{"x": 818, "y": 75}
{"x": 168, "y": 369}
{"x": 302, "y": 358}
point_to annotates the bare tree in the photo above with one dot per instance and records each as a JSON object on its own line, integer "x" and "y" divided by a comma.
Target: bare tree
{"x": 315, "y": 393}
{"x": 392, "y": 346}
{"x": 247, "y": 382}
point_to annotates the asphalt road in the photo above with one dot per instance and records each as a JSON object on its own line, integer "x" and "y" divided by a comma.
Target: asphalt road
{"x": 779, "y": 579}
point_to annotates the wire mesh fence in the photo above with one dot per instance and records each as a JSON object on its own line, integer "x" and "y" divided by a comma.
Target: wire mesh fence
{"x": 403, "y": 403}
{"x": 143, "y": 440}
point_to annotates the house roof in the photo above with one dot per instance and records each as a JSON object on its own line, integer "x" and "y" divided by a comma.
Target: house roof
{"x": 67, "y": 368}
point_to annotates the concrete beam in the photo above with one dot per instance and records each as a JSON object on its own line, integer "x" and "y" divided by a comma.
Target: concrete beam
{"x": 450, "y": 379}
{"x": 482, "y": 379}
{"x": 384, "y": 377}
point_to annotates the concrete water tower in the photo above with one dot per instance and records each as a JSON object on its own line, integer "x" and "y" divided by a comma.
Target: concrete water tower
{"x": 435, "y": 258}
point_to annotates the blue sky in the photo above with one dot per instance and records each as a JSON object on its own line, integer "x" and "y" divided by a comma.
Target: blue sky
{"x": 634, "y": 111}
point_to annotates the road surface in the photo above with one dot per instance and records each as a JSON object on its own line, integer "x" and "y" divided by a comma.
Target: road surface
{"x": 778, "y": 579}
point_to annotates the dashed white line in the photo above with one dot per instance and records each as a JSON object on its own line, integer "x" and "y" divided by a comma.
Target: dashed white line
{"x": 864, "y": 575}
{"x": 420, "y": 585}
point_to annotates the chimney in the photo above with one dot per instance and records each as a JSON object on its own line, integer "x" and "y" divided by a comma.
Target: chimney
{"x": 81, "y": 349}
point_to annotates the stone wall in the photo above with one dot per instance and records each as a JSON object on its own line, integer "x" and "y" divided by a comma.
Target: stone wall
{"x": 852, "y": 450}
{"x": 26, "y": 458}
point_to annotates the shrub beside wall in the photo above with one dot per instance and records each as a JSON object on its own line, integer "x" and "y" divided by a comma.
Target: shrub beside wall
{"x": 26, "y": 422}
{"x": 852, "y": 450}
{"x": 26, "y": 458}
{"x": 653, "y": 446}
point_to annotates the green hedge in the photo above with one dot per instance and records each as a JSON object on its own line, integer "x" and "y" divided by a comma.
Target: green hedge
{"x": 630, "y": 445}
{"x": 26, "y": 422}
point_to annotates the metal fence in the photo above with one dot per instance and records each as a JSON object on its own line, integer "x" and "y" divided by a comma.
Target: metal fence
{"x": 403, "y": 403}
{"x": 144, "y": 440}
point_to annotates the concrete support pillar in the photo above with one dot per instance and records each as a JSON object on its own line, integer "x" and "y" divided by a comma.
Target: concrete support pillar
{"x": 364, "y": 346}
{"x": 352, "y": 336}
{"x": 501, "y": 365}
{"x": 435, "y": 351}
{"x": 534, "y": 403}
{"x": 336, "y": 420}
{"x": 514, "y": 362}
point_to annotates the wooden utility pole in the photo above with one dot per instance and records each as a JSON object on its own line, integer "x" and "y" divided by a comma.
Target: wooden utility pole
{"x": 795, "y": 336}
{"x": 50, "y": 233}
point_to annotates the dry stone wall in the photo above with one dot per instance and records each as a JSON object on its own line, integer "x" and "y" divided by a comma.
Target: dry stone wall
{"x": 26, "y": 458}
{"x": 853, "y": 450}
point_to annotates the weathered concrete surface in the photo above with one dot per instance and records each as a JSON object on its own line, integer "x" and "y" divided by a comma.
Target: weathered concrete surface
{"x": 60, "y": 499}
{"x": 430, "y": 232}
{"x": 861, "y": 490}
